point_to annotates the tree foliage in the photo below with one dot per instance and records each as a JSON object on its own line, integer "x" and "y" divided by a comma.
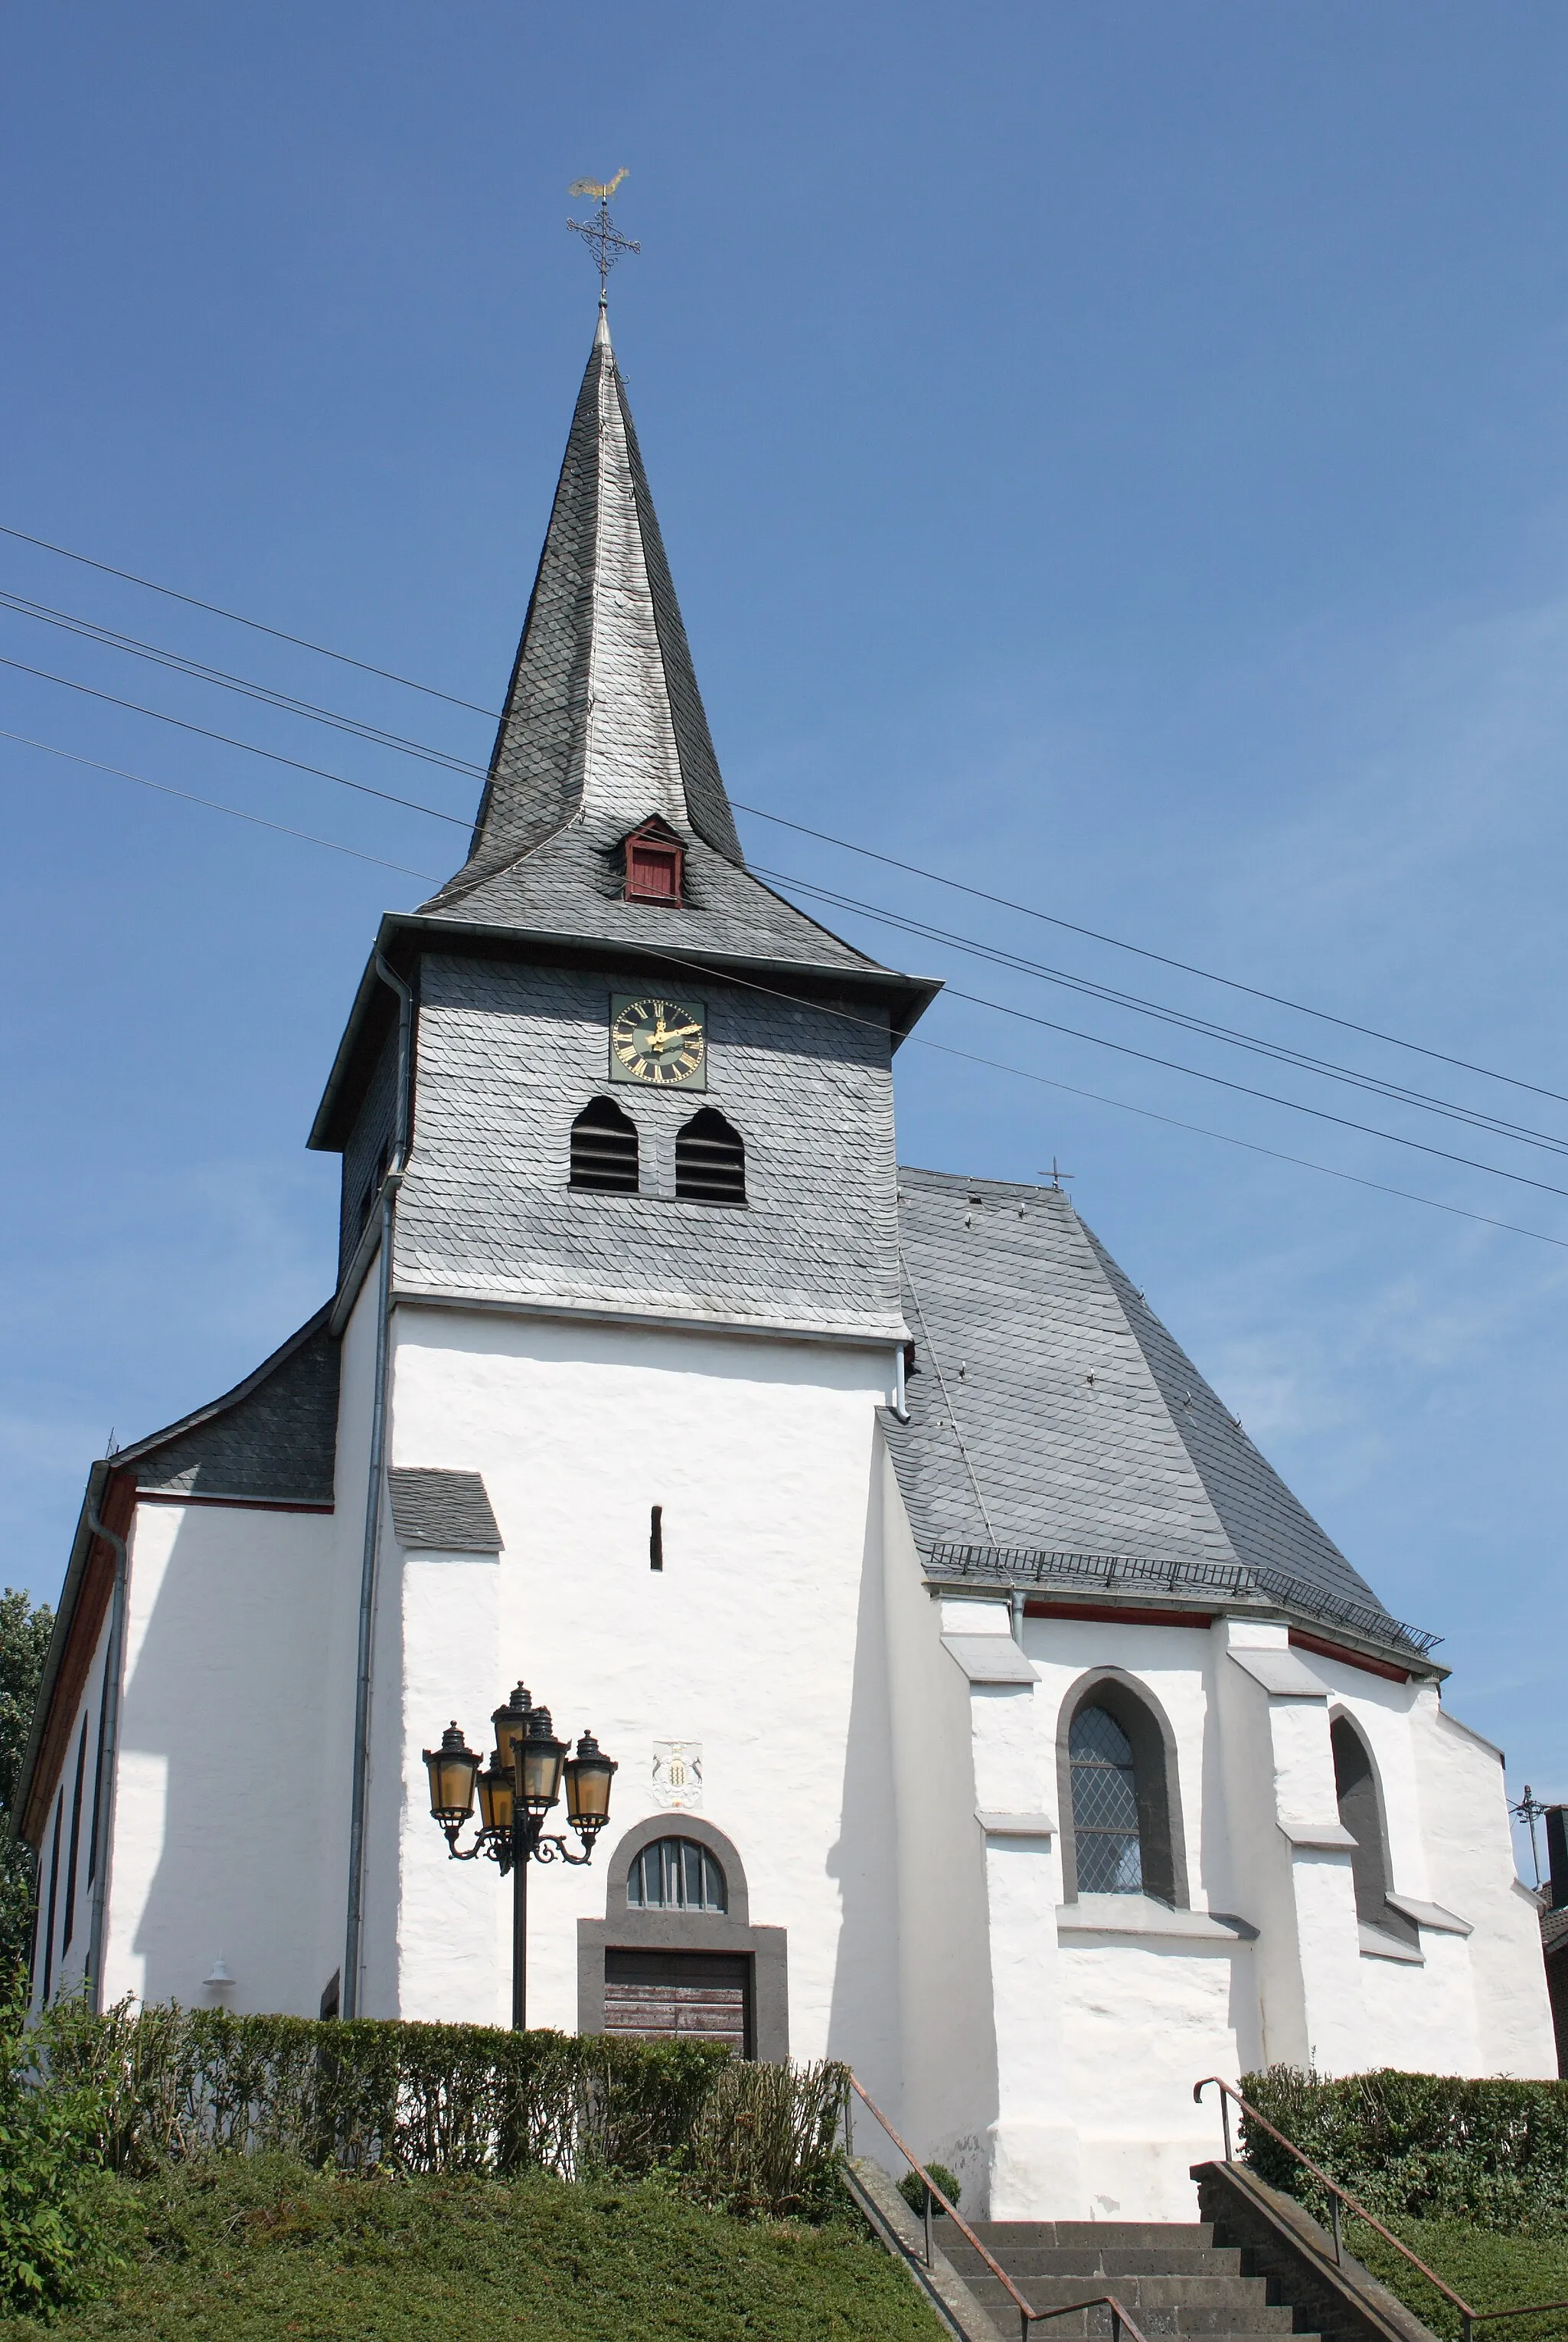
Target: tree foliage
{"x": 25, "y": 1631}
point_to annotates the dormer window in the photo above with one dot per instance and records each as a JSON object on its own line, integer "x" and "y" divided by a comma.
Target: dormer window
{"x": 654, "y": 864}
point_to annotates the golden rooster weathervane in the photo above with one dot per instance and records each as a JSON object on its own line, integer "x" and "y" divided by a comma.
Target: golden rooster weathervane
{"x": 601, "y": 235}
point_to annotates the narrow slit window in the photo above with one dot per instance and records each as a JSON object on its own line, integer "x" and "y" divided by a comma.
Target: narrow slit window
{"x": 604, "y": 1149}
{"x": 710, "y": 1160}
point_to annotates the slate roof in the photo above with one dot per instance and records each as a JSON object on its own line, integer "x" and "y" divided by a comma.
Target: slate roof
{"x": 1056, "y": 1426}
{"x": 442, "y": 1512}
{"x": 604, "y": 726}
{"x": 272, "y": 1436}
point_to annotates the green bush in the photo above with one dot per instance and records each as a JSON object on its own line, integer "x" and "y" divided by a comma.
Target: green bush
{"x": 912, "y": 2187}
{"x": 1426, "y": 2147}
{"x": 167, "y": 2083}
{"x": 55, "y": 2220}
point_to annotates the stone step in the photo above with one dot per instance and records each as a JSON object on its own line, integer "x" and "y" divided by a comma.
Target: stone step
{"x": 1243, "y": 2293}
{"x": 1213, "y": 2324}
{"x": 1124, "y": 2264}
{"x": 1157, "y": 2236}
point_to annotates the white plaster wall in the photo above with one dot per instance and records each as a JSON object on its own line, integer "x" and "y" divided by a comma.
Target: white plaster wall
{"x": 1142, "y": 2020}
{"x": 68, "y": 1965}
{"x": 762, "y": 1639}
{"x": 218, "y": 1809}
{"x": 1470, "y": 1868}
{"x": 940, "y": 2089}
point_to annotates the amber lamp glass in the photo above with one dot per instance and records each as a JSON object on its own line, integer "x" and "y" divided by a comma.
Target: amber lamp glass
{"x": 495, "y": 1793}
{"x": 588, "y": 1777}
{"x": 540, "y": 1757}
{"x": 451, "y": 1768}
{"x": 511, "y": 1723}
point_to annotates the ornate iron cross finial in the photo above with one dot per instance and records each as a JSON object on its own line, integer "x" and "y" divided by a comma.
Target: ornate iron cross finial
{"x": 600, "y": 235}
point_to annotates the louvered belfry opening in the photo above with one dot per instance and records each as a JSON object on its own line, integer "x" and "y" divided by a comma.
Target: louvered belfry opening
{"x": 710, "y": 1160}
{"x": 604, "y": 1149}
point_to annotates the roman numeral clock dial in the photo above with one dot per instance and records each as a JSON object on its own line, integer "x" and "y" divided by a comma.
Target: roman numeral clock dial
{"x": 660, "y": 1042}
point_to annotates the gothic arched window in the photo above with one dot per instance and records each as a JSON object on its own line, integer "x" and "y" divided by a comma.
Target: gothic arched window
{"x": 1105, "y": 1805}
{"x": 1361, "y": 1813}
{"x": 1121, "y": 1821}
{"x": 605, "y": 1149}
{"x": 710, "y": 1160}
{"x": 676, "y": 1874}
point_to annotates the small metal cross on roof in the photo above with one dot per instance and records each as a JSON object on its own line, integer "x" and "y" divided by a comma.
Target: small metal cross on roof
{"x": 1058, "y": 1174}
{"x": 601, "y": 235}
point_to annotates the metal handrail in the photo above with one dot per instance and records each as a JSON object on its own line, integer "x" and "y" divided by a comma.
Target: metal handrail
{"x": 1026, "y": 2316}
{"x": 1469, "y": 2319}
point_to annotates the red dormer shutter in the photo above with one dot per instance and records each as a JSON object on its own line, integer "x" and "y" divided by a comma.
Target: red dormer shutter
{"x": 653, "y": 868}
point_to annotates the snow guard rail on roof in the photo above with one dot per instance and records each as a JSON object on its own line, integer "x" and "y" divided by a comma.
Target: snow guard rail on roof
{"x": 1022, "y": 1565}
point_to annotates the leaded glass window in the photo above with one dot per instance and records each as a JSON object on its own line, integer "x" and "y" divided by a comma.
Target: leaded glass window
{"x": 1105, "y": 1805}
{"x": 676, "y": 1874}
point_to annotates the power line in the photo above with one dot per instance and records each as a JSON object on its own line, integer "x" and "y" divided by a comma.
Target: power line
{"x": 1325, "y": 1066}
{"x": 1184, "y": 1020}
{"x": 943, "y": 1049}
{"x": 1161, "y": 959}
{"x": 826, "y": 837}
{"x": 89, "y": 631}
{"x": 256, "y": 625}
{"x": 212, "y": 806}
{"x": 410, "y": 805}
{"x": 1046, "y": 1081}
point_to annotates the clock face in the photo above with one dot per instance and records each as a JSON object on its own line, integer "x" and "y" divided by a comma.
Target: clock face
{"x": 658, "y": 1041}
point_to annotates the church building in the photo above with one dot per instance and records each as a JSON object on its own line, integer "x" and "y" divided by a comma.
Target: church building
{"x": 987, "y": 1711}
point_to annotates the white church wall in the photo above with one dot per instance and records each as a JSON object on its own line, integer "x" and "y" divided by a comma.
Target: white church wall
{"x": 940, "y": 2089}
{"x": 761, "y": 1640}
{"x": 217, "y": 1822}
{"x": 1145, "y": 2016}
{"x": 1470, "y": 1858}
{"x": 65, "y": 1956}
{"x": 325, "y": 1930}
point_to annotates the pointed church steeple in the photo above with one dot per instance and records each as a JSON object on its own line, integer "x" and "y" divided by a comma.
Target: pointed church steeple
{"x": 603, "y": 720}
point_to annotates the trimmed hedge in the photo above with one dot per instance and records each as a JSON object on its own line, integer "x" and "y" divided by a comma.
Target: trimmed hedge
{"x": 169, "y": 2083}
{"x": 1425, "y": 2147}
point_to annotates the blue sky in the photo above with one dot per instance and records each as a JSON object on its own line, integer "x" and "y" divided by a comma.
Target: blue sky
{"x": 1112, "y": 455}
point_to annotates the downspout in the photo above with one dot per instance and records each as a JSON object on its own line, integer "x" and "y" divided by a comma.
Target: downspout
{"x": 114, "y": 1661}
{"x": 363, "y": 1665}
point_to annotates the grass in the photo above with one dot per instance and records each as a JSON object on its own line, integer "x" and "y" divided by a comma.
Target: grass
{"x": 1490, "y": 2270}
{"x": 236, "y": 2250}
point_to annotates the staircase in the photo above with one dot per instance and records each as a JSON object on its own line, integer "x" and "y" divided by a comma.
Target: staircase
{"x": 1170, "y": 2277}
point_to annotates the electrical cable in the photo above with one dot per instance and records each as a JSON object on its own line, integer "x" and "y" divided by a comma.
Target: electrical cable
{"x": 216, "y": 611}
{"x": 212, "y": 806}
{"x": 1325, "y": 1066}
{"x": 410, "y": 805}
{"x": 1147, "y": 1114}
{"x": 89, "y": 631}
{"x": 1025, "y": 910}
{"x": 943, "y": 1049}
{"x": 1184, "y": 1020}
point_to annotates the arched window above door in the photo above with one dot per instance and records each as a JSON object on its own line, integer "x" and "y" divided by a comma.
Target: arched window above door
{"x": 676, "y": 1874}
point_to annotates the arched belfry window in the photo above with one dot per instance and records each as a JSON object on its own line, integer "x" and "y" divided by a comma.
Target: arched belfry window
{"x": 605, "y": 1149}
{"x": 676, "y": 1874}
{"x": 1105, "y": 1805}
{"x": 1361, "y": 1813}
{"x": 710, "y": 1160}
{"x": 1122, "y": 1832}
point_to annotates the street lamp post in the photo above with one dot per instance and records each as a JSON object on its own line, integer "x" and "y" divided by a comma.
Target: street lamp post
{"x": 517, "y": 1791}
